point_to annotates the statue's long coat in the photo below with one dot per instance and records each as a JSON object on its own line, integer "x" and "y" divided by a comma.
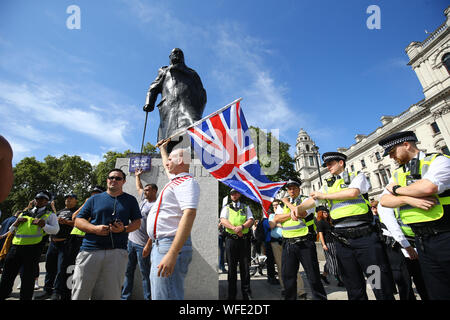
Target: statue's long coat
{"x": 183, "y": 98}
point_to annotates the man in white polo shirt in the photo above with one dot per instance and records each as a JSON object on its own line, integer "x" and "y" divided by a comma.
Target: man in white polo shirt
{"x": 169, "y": 225}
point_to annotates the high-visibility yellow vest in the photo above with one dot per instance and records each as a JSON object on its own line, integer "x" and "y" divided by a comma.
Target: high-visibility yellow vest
{"x": 77, "y": 232}
{"x": 411, "y": 215}
{"x": 300, "y": 228}
{"x": 340, "y": 209}
{"x": 237, "y": 218}
{"x": 407, "y": 230}
{"x": 27, "y": 233}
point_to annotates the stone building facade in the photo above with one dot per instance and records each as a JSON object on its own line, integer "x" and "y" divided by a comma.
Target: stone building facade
{"x": 428, "y": 118}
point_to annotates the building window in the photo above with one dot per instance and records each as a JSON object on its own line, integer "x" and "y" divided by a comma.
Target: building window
{"x": 370, "y": 182}
{"x": 445, "y": 150}
{"x": 384, "y": 177}
{"x": 352, "y": 168}
{"x": 446, "y": 61}
{"x": 379, "y": 180}
{"x": 311, "y": 160}
{"x": 377, "y": 155}
{"x": 307, "y": 147}
{"x": 363, "y": 163}
{"x": 435, "y": 127}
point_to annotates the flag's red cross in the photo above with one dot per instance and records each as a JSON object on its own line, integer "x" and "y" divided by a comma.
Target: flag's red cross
{"x": 234, "y": 146}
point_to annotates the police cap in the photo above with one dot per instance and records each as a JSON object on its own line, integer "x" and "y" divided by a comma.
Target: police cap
{"x": 43, "y": 194}
{"x": 293, "y": 182}
{"x": 396, "y": 138}
{"x": 233, "y": 191}
{"x": 329, "y": 156}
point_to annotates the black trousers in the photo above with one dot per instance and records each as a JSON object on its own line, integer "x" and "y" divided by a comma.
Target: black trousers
{"x": 434, "y": 258}
{"x": 416, "y": 273}
{"x": 54, "y": 275}
{"x": 400, "y": 272}
{"x": 270, "y": 262}
{"x": 305, "y": 253}
{"x": 238, "y": 252}
{"x": 365, "y": 256}
{"x": 20, "y": 256}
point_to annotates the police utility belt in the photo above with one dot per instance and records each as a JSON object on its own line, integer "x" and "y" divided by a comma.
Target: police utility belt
{"x": 295, "y": 240}
{"x": 353, "y": 232}
{"x": 236, "y": 237}
{"x": 429, "y": 228}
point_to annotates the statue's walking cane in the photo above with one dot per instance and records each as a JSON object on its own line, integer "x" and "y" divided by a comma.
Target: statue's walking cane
{"x": 143, "y": 135}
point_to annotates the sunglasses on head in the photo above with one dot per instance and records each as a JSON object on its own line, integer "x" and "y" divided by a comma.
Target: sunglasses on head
{"x": 115, "y": 178}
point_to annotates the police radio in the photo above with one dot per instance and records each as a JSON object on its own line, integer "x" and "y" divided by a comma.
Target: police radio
{"x": 346, "y": 177}
{"x": 330, "y": 181}
{"x": 414, "y": 171}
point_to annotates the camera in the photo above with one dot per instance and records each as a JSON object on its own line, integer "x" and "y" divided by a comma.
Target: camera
{"x": 112, "y": 221}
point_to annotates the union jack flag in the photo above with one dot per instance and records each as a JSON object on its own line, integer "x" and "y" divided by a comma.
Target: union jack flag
{"x": 225, "y": 148}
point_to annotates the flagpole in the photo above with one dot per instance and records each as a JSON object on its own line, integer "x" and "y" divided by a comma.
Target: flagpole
{"x": 182, "y": 131}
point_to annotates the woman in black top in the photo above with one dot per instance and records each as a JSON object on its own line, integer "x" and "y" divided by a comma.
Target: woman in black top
{"x": 324, "y": 228}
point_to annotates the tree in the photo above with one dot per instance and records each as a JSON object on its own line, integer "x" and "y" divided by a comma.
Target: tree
{"x": 69, "y": 174}
{"x": 57, "y": 175}
{"x": 101, "y": 170}
{"x": 60, "y": 176}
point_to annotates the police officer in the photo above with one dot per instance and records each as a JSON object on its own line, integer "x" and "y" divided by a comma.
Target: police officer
{"x": 419, "y": 188}
{"x": 54, "y": 286}
{"x": 237, "y": 218}
{"x": 298, "y": 245}
{"x": 30, "y": 228}
{"x": 359, "y": 249}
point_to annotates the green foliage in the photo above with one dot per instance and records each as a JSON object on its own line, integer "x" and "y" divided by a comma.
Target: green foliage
{"x": 269, "y": 158}
{"x": 101, "y": 170}
{"x": 59, "y": 176}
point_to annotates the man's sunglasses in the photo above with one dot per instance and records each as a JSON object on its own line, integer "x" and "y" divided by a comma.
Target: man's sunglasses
{"x": 115, "y": 178}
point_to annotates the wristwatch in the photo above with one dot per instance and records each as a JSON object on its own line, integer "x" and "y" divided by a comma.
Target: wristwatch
{"x": 394, "y": 189}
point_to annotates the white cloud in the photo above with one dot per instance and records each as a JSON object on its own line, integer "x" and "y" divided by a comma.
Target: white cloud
{"x": 94, "y": 159}
{"x": 241, "y": 68}
{"x": 52, "y": 105}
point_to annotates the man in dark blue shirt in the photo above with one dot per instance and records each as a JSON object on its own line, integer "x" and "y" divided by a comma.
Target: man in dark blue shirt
{"x": 107, "y": 218}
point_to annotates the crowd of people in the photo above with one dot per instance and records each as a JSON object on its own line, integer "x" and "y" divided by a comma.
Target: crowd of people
{"x": 400, "y": 240}
{"x": 391, "y": 244}
{"x": 103, "y": 241}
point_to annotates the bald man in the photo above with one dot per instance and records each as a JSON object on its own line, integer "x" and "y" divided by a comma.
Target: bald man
{"x": 169, "y": 225}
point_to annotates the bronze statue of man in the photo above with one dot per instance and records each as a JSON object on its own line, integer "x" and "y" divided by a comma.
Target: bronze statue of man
{"x": 183, "y": 97}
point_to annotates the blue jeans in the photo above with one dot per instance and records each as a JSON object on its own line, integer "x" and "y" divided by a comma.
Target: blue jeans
{"x": 172, "y": 287}
{"x": 135, "y": 258}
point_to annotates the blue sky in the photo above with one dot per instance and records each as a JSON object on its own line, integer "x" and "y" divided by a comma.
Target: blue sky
{"x": 297, "y": 64}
